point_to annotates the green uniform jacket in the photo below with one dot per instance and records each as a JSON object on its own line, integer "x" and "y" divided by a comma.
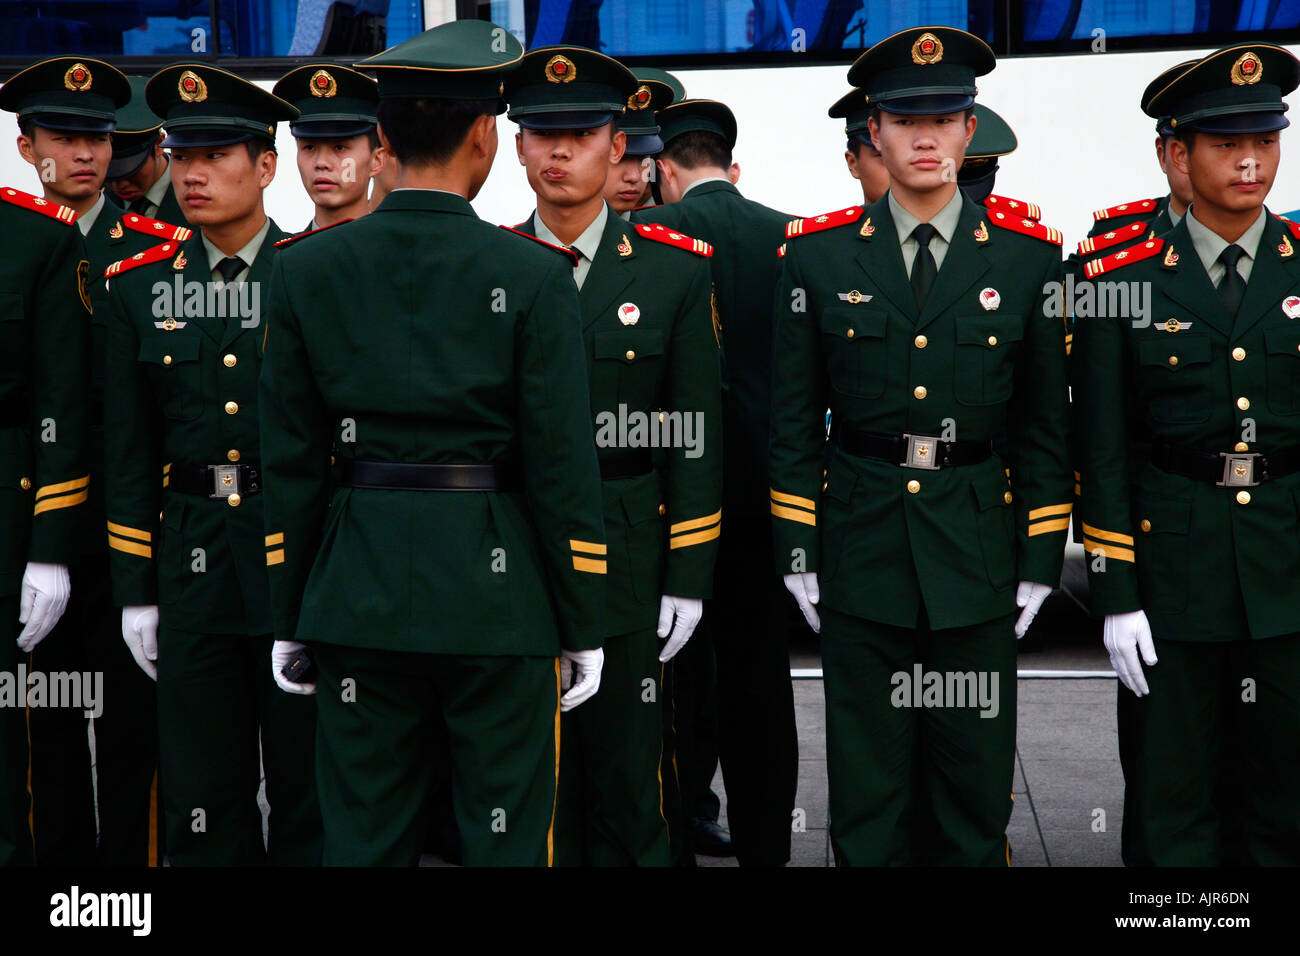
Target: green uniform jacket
{"x": 745, "y": 236}
{"x": 1191, "y": 555}
{"x": 44, "y": 385}
{"x": 1154, "y": 222}
{"x": 183, "y": 397}
{"x": 662, "y": 527}
{"x": 464, "y": 348}
{"x": 957, "y": 541}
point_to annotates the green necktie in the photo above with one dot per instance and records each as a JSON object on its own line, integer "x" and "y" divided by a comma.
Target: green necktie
{"x": 1232, "y": 286}
{"x": 923, "y": 268}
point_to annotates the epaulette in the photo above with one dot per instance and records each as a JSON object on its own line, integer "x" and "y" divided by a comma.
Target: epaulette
{"x": 841, "y": 217}
{"x": 1137, "y": 207}
{"x": 311, "y": 232}
{"x": 1017, "y": 207}
{"x": 1027, "y": 227}
{"x": 65, "y": 214}
{"x": 1130, "y": 233}
{"x": 154, "y": 254}
{"x": 667, "y": 236}
{"x": 1124, "y": 257}
{"x": 155, "y": 227}
{"x": 568, "y": 253}
{"x": 1292, "y": 227}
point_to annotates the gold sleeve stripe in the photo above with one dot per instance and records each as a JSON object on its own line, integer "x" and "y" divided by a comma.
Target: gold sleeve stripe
{"x": 1109, "y": 550}
{"x": 167, "y": 467}
{"x": 699, "y": 537}
{"x": 130, "y": 547}
{"x": 1076, "y": 489}
{"x": 277, "y": 538}
{"x": 275, "y": 557}
{"x": 126, "y": 532}
{"x": 1043, "y": 527}
{"x": 588, "y": 564}
{"x": 588, "y": 547}
{"x": 696, "y": 523}
{"x": 1114, "y": 536}
{"x": 61, "y": 487}
{"x": 166, "y": 481}
{"x": 62, "y": 501}
{"x": 793, "y": 500}
{"x": 792, "y": 514}
{"x": 1050, "y": 510}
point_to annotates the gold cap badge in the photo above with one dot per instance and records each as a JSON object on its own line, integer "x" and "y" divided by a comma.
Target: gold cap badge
{"x": 192, "y": 88}
{"x": 640, "y": 99}
{"x": 77, "y": 78}
{"x": 1247, "y": 70}
{"x": 322, "y": 84}
{"x": 560, "y": 69}
{"x": 927, "y": 49}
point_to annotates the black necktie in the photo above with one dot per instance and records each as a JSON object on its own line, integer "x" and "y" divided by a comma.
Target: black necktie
{"x": 923, "y": 268}
{"x": 230, "y": 267}
{"x": 1232, "y": 286}
{"x": 140, "y": 206}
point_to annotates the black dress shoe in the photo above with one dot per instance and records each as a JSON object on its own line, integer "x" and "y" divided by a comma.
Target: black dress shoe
{"x": 709, "y": 839}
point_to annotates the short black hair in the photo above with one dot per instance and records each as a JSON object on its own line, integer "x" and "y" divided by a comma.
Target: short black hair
{"x": 1185, "y": 136}
{"x": 696, "y": 148}
{"x": 257, "y": 146}
{"x": 859, "y": 140}
{"x": 429, "y": 131}
{"x": 372, "y": 138}
{"x": 26, "y": 126}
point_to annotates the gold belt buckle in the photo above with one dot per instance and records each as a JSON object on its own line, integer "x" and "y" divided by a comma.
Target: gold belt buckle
{"x": 225, "y": 481}
{"x": 1238, "y": 469}
{"x": 922, "y": 452}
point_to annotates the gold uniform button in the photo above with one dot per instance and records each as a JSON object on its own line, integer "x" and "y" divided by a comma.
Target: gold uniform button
{"x": 25, "y": 484}
{"x": 234, "y": 501}
{"x": 1006, "y": 496}
{"x": 920, "y": 391}
{"x": 1243, "y": 403}
{"x": 233, "y": 454}
{"x": 167, "y": 360}
{"x": 824, "y": 485}
{"x": 1173, "y": 360}
{"x": 663, "y": 510}
{"x": 913, "y": 486}
{"x": 229, "y": 360}
{"x": 1238, "y": 353}
{"x": 1241, "y": 446}
{"x": 920, "y": 341}
{"x": 1146, "y": 525}
{"x": 630, "y": 355}
{"x": 1243, "y": 497}
{"x": 993, "y": 340}
{"x": 232, "y": 407}
{"x": 849, "y": 333}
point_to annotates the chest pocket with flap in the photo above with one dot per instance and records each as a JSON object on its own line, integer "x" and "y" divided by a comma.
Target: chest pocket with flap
{"x": 174, "y": 369}
{"x": 853, "y": 341}
{"x": 985, "y": 360}
{"x": 1174, "y": 369}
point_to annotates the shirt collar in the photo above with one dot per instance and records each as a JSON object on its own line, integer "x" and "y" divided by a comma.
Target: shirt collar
{"x": 944, "y": 221}
{"x": 248, "y": 253}
{"x": 701, "y": 182}
{"x": 87, "y": 219}
{"x": 587, "y": 244}
{"x": 158, "y": 190}
{"x": 1209, "y": 245}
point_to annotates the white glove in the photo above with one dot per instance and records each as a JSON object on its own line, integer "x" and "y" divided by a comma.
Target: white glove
{"x": 589, "y": 665}
{"x": 806, "y": 593}
{"x": 282, "y": 652}
{"x": 140, "y": 631}
{"x": 45, "y": 593}
{"x": 1124, "y": 634}
{"x": 688, "y": 612}
{"x": 1030, "y": 596}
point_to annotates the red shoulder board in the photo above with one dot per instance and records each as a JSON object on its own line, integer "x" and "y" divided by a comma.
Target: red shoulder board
{"x": 155, "y": 254}
{"x": 653, "y": 205}
{"x": 1016, "y": 207}
{"x": 1026, "y": 226}
{"x": 802, "y": 227}
{"x": 568, "y": 253}
{"x": 1130, "y": 233}
{"x": 155, "y": 227}
{"x": 1137, "y": 207}
{"x": 290, "y": 239}
{"x": 1294, "y": 227}
{"x": 1123, "y": 258}
{"x": 65, "y": 214}
{"x": 667, "y": 236}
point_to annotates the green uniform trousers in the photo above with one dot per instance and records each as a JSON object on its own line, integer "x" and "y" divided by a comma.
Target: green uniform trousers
{"x": 379, "y": 714}
{"x": 15, "y": 801}
{"x": 217, "y": 699}
{"x": 918, "y": 785}
{"x": 610, "y": 807}
{"x": 1212, "y": 776}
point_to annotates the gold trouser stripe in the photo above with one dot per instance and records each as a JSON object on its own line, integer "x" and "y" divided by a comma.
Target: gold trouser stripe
{"x": 123, "y": 531}
{"x": 1043, "y": 527}
{"x": 698, "y": 537}
{"x": 555, "y": 794}
{"x": 275, "y": 557}
{"x": 61, "y": 487}
{"x": 695, "y": 523}
{"x": 130, "y": 547}
{"x": 62, "y": 501}
{"x": 1114, "y": 536}
{"x": 1109, "y": 550}
{"x": 793, "y": 514}
{"x": 793, "y": 500}
{"x": 589, "y": 564}
{"x": 277, "y": 538}
{"x": 153, "y": 820}
{"x": 588, "y": 547}
{"x": 1050, "y": 510}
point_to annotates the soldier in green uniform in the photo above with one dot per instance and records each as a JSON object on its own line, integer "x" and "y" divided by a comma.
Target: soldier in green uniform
{"x": 70, "y": 138}
{"x": 335, "y": 133}
{"x": 184, "y": 485}
{"x": 860, "y": 153}
{"x": 757, "y": 742}
{"x": 628, "y": 184}
{"x": 652, "y": 353}
{"x": 928, "y": 324}
{"x": 138, "y": 176}
{"x": 462, "y": 552}
{"x": 1193, "y": 550}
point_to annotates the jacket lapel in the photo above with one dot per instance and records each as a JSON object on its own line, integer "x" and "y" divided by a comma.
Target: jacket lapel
{"x": 964, "y": 263}
{"x": 255, "y": 288}
{"x": 1193, "y": 289}
{"x": 196, "y": 275}
{"x": 880, "y": 257}
{"x": 609, "y": 273}
{"x": 1271, "y": 277}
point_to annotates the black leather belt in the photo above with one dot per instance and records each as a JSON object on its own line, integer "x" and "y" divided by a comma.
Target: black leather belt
{"x": 427, "y": 476}
{"x": 630, "y": 463}
{"x": 215, "y": 481}
{"x": 1227, "y": 469}
{"x": 911, "y": 451}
